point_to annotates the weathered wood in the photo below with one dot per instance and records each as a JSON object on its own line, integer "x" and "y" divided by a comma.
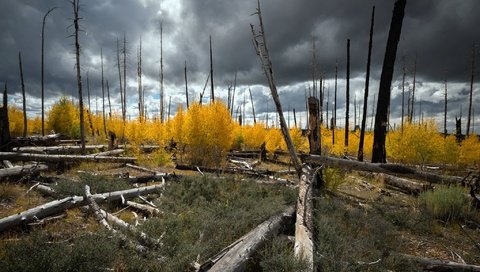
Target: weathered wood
{"x": 304, "y": 226}
{"x": 108, "y": 153}
{"x": 62, "y": 158}
{"x": 7, "y": 164}
{"x": 235, "y": 256}
{"x": 16, "y": 171}
{"x": 429, "y": 264}
{"x": 144, "y": 208}
{"x": 58, "y": 206}
{"x": 393, "y": 169}
{"x": 313, "y": 123}
{"x": 405, "y": 185}
{"x": 96, "y": 210}
{"x": 4, "y": 123}
{"x": 64, "y": 149}
{"x": 136, "y": 167}
{"x": 45, "y": 190}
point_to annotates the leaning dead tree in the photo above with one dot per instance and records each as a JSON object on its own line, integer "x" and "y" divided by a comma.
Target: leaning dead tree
{"x": 471, "y": 91}
{"x": 260, "y": 44}
{"x": 365, "y": 97}
{"x": 75, "y": 4}
{"x": 23, "y": 95}
{"x": 43, "y": 70}
{"x": 253, "y": 107}
{"x": 379, "y": 153}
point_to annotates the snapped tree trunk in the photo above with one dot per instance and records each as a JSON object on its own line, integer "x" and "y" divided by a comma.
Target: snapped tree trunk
{"x": 262, "y": 51}
{"x": 471, "y": 92}
{"x": 4, "y": 124}
{"x": 379, "y": 153}
{"x": 314, "y": 134}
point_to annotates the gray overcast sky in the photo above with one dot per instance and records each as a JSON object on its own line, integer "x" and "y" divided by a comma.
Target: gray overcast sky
{"x": 439, "y": 32}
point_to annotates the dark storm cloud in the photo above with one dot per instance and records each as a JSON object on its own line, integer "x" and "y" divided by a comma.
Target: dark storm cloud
{"x": 439, "y": 34}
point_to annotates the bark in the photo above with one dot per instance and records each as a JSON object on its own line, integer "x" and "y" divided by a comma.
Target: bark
{"x": 314, "y": 133}
{"x": 96, "y": 209}
{"x": 262, "y": 51}
{"x": 144, "y": 208}
{"x": 445, "y": 112}
{"x": 142, "y": 169}
{"x": 23, "y": 95}
{"x": 253, "y": 109}
{"x": 58, "y": 206}
{"x": 120, "y": 77}
{"x": 304, "y": 226}
{"x": 405, "y": 185}
{"x": 43, "y": 70}
{"x": 186, "y": 85}
{"x": 365, "y": 97}
{"x": 334, "y": 127}
{"x": 162, "y": 93}
{"x": 380, "y": 131}
{"x": 109, "y": 102}
{"x": 235, "y": 256}
{"x": 392, "y": 169}
{"x": 16, "y": 171}
{"x": 108, "y": 153}
{"x": 12, "y": 156}
{"x": 124, "y": 79}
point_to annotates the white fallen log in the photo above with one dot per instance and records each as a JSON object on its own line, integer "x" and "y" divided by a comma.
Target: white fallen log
{"x": 405, "y": 185}
{"x": 7, "y": 164}
{"x": 144, "y": 208}
{"x": 429, "y": 264}
{"x": 64, "y": 149}
{"x": 45, "y": 190}
{"x": 22, "y": 170}
{"x": 139, "y": 168}
{"x": 62, "y": 158}
{"x": 235, "y": 256}
{"x": 58, "y": 206}
{"x": 101, "y": 218}
{"x": 108, "y": 153}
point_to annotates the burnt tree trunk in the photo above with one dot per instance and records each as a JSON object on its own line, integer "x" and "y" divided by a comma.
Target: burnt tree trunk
{"x": 471, "y": 92}
{"x": 313, "y": 135}
{"x": 379, "y": 153}
{"x": 23, "y": 95}
{"x": 186, "y": 84}
{"x": 253, "y": 109}
{"x": 347, "y": 96}
{"x": 367, "y": 81}
{"x": 43, "y": 70}
{"x": 4, "y": 124}
{"x": 212, "y": 94}
{"x": 334, "y": 126}
{"x": 79, "y": 77}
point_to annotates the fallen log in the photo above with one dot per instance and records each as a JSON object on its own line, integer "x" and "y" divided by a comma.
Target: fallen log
{"x": 235, "y": 256}
{"x": 108, "y": 153}
{"x": 392, "y": 169}
{"x": 144, "y": 208}
{"x": 64, "y": 149}
{"x": 309, "y": 186}
{"x": 62, "y": 158}
{"x": 58, "y": 206}
{"x": 7, "y": 164}
{"x": 429, "y": 264}
{"x": 47, "y": 140}
{"x": 16, "y": 171}
{"x": 142, "y": 169}
{"x": 405, "y": 185}
{"x": 96, "y": 210}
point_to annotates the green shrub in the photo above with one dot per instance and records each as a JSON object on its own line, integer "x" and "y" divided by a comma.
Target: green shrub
{"x": 333, "y": 178}
{"x": 446, "y": 203}
{"x": 98, "y": 184}
{"x": 278, "y": 255}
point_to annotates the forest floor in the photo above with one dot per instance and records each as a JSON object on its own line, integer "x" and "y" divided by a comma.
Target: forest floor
{"x": 361, "y": 224}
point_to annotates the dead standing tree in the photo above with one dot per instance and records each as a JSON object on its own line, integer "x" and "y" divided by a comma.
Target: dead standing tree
{"x": 79, "y": 77}
{"x": 162, "y": 92}
{"x": 365, "y": 98}
{"x": 471, "y": 91}
{"x": 379, "y": 153}
{"x": 103, "y": 95}
{"x": 347, "y": 96}
{"x": 212, "y": 94}
{"x": 23, "y": 95}
{"x": 260, "y": 44}
{"x": 4, "y": 124}
{"x": 43, "y": 70}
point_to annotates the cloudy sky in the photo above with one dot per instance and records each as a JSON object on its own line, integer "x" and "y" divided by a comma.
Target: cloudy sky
{"x": 438, "y": 33}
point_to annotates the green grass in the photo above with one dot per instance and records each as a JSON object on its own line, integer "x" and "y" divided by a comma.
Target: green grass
{"x": 98, "y": 184}
{"x": 333, "y": 178}
{"x": 446, "y": 203}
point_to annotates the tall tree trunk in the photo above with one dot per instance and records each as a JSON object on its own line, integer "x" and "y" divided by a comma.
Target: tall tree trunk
{"x": 186, "y": 84}
{"x": 367, "y": 81}
{"x": 124, "y": 79}
{"x": 294, "y": 118}
{"x": 403, "y": 92}
{"x": 109, "y": 102}
{"x": 169, "y": 105}
{"x": 103, "y": 95}
{"x": 347, "y": 95}
{"x": 328, "y": 102}
{"x": 162, "y": 91}
{"x": 412, "y": 99}
{"x": 89, "y": 111}
{"x": 212, "y": 93}
{"x": 445, "y": 112}
{"x": 373, "y": 111}
{"x": 233, "y": 94}
{"x": 379, "y": 153}
{"x": 314, "y": 133}
{"x": 334, "y": 127}
{"x": 120, "y": 78}
{"x": 471, "y": 91}
{"x": 262, "y": 51}
{"x": 79, "y": 77}
{"x": 43, "y": 70}
{"x": 4, "y": 124}
{"x": 23, "y": 95}
{"x": 253, "y": 108}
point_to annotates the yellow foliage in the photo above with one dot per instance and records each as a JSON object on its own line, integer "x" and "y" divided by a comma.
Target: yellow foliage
{"x": 254, "y": 136}
{"x": 470, "y": 151}
{"x": 64, "y": 118}
{"x": 273, "y": 140}
{"x": 15, "y": 119}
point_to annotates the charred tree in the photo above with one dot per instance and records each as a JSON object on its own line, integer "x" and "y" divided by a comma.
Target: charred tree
{"x": 162, "y": 92}
{"x": 4, "y": 124}
{"x": 89, "y": 112}
{"x": 23, "y": 95}
{"x": 109, "y": 102}
{"x": 367, "y": 81}
{"x": 347, "y": 95}
{"x": 314, "y": 133}
{"x": 186, "y": 84}
{"x": 43, "y": 70}
{"x": 471, "y": 92}
{"x": 212, "y": 92}
{"x": 76, "y": 20}
{"x": 334, "y": 127}
{"x": 253, "y": 109}
{"x": 379, "y": 153}
{"x": 261, "y": 48}
{"x": 403, "y": 91}
{"x": 124, "y": 78}
{"x": 445, "y": 112}
{"x": 103, "y": 95}
{"x": 120, "y": 78}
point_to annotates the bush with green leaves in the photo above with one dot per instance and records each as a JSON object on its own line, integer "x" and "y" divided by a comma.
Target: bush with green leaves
{"x": 448, "y": 203}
